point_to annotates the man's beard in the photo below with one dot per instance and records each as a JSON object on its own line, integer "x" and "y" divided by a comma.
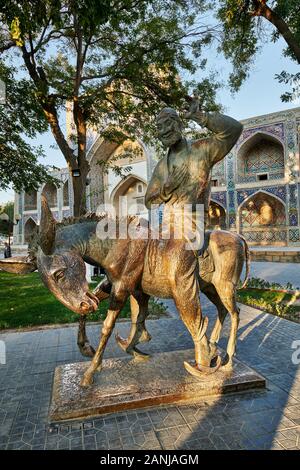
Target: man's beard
{"x": 172, "y": 139}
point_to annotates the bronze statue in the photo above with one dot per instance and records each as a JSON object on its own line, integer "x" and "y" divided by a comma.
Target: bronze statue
{"x": 132, "y": 265}
{"x": 141, "y": 266}
{"x": 183, "y": 175}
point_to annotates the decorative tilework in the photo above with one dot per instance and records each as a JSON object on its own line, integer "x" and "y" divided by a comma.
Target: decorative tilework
{"x": 261, "y": 156}
{"x": 66, "y": 213}
{"x": 279, "y": 191}
{"x": 219, "y": 197}
{"x": 293, "y": 218}
{"x": 294, "y": 235}
{"x": 30, "y": 216}
{"x": 218, "y": 172}
{"x": 274, "y": 129}
{"x": 269, "y": 236}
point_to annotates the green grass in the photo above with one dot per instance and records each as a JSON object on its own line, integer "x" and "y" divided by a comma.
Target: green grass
{"x": 25, "y": 301}
{"x": 271, "y": 301}
{"x": 269, "y": 296}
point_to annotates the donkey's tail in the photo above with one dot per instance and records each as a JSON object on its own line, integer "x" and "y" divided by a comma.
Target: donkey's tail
{"x": 247, "y": 259}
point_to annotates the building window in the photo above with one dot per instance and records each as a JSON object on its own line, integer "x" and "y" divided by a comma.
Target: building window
{"x": 30, "y": 201}
{"x": 140, "y": 188}
{"x": 214, "y": 182}
{"x": 66, "y": 193}
{"x": 263, "y": 177}
{"x": 50, "y": 193}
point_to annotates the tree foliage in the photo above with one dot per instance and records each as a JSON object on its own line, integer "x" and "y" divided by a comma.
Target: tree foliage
{"x": 244, "y": 28}
{"x": 115, "y": 63}
{"x": 20, "y": 117}
{"x": 7, "y": 227}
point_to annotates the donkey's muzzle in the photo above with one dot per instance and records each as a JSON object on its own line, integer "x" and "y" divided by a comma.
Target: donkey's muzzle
{"x": 90, "y": 304}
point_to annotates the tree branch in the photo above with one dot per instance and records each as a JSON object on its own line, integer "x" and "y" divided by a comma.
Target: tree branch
{"x": 262, "y": 9}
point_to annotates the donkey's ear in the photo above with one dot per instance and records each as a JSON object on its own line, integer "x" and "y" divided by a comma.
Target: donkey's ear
{"x": 47, "y": 228}
{"x": 18, "y": 265}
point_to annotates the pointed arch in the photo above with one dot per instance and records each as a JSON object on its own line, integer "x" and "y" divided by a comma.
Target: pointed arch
{"x": 133, "y": 187}
{"x": 262, "y": 219}
{"x": 216, "y": 216}
{"x": 29, "y": 229}
{"x": 30, "y": 201}
{"x": 66, "y": 199}
{"x": 260, "y": 155}
{"x": 50, "y": 192}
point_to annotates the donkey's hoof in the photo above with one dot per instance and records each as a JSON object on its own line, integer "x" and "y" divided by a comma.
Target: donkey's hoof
{"x": 197, "y": 370}
{"x": 87, "y": 350}
{"x": 227, "y": 365}
{"x": 87, "y": 380}
{"x": 122, "y": 342}
{"x": 213, "y": 349}
{"x": 145, "y": 337}
{"x": 139, "y": 355}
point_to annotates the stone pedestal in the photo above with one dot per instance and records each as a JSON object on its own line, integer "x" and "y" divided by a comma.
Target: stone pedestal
{"x": 126, "y": 384}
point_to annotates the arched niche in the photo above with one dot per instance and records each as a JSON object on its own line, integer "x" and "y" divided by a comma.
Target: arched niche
{"x": 262, "y": 220}
{"x": 216, "y": 216}
{"x": 128, "y": 196}
{"x": 30, "y": 201}
{"x": 66, "y": 201}
{"x": 29, "y": 229}
{"x": 260, "y": 158}
{"x": 50, "y": 192}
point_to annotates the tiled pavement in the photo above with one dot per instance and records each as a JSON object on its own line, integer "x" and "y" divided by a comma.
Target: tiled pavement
{"x": 253, "y": 420}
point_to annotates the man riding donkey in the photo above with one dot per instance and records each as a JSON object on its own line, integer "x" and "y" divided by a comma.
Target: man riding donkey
{"x": 140, "y": 267}
{"x": 182, "y": 177}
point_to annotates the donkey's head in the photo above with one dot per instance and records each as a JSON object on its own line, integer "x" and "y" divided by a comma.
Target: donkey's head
{"x": 61, "y": 267}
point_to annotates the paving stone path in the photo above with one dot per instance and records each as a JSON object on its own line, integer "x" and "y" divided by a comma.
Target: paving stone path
{"x": 253, "y": 420}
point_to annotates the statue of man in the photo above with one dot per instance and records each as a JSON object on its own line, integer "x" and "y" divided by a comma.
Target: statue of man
{"x": 183, "y": 175}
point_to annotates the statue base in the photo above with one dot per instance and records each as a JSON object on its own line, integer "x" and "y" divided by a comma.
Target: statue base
{"x": 126, "y": 383}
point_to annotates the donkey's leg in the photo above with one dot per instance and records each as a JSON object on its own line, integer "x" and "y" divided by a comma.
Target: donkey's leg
{"x": 117, "y": 302}
{"x": 213, "y": 296}
{"x": 82, "y": 340}
{"x": 227, "y": 293}
{"x": 138, "y": 333}
{"x": 102, "y": 291}
{"x": 187, "y": 301}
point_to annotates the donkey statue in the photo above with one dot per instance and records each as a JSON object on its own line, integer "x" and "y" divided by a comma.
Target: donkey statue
{"x": 138, "y": 267}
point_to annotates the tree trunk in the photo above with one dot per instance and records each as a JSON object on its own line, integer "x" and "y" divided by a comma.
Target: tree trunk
{"x": 79, "y": 192}
{"x": 280, "y": 25}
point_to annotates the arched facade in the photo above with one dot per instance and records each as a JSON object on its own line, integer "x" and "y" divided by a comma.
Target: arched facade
{"x": 262, "y": 220}
{"x": 50, "y": 192}
{"x": 29, "y": 229}
{"x": 255, "y": 189}
{"x": 30, "y": 201}
{"x": 113, "y": 165}
{"x": 66, "y": 200}
{"x": 260, "y": 158}
{"x": 128, "y": 196}
{"x": 216, "y": 216}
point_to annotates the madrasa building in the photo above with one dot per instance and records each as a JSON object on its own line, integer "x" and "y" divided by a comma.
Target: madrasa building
{"x": 255, "y": 190}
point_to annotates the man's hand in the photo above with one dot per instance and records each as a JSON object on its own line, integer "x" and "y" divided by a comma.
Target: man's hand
{"x": 193, "y": 110}
{"x": 177, "y": 177}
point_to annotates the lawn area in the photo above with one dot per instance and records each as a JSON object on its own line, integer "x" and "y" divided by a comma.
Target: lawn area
{"x": 272, "y": 301}
{"x": 25, "y": 301}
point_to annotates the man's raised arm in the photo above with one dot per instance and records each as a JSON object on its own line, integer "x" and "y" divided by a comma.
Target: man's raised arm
{"x": 226, "y": 132}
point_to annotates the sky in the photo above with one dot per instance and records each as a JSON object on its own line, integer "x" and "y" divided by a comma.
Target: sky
{"x": 260, "y": 94}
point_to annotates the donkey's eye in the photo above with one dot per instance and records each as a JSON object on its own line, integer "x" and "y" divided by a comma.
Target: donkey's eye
{"x": 59, "y": 275}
